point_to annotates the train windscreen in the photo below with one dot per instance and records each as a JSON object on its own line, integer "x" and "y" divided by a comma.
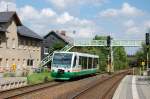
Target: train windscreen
{"x": 62, "y": 59}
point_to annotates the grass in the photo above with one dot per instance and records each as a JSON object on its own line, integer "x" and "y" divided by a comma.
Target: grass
{"x": 36, "y": 78}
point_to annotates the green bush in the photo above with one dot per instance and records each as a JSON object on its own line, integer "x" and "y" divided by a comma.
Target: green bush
{"x": 9, "y": 74}
{"x": 36, "y": 78}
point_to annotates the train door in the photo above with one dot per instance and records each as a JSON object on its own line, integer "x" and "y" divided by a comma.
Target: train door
{"x": 76, "y": 67}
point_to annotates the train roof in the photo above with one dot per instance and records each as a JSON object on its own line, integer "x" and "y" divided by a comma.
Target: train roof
{"x": 78, "y": 53}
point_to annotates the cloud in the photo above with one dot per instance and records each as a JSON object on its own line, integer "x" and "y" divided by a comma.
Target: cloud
{"x": 7, "y": 5}
{"x": 129, "y": 23}
{"x": 28, "y": 13}
{"x": 127, "y": 20}
{"x": 129, "y": 10}
{"x": 133, "y": 29}
{"x": 25, "y": 13}
{"x": 46, "y": 19}
{"x": 65, "y": 17}
{"x": 48, "y": 12}
{"x": 109, "y": 13}
{"x": 125, "y": 10}
{"x": 147, "y": 24}
{"x": 70, "y": 3}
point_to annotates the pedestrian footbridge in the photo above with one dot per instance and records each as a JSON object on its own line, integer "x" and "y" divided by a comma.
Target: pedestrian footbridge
{"x": 99, "y": 43}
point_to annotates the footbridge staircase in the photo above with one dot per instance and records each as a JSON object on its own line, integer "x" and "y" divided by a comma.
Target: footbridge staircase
{"x": 48, "y": 58}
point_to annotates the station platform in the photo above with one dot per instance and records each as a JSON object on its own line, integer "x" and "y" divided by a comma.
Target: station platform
{"x": 133, "y": 87}
{"x": 12, "y": 82}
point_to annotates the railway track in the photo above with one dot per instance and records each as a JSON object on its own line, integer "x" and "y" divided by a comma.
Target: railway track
{"x": 69, "y": 90}
{"x": 12, "y": 93}
{"x": 106, "y": 88}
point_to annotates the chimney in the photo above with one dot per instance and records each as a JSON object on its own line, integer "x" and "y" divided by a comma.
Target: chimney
{"x": 63, "y": 33}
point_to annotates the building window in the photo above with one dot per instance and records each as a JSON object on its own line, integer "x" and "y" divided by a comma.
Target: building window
{"x": 19, "y": 44}
{"x": 24, "y": 63}
{"x": 7, "y": 42}
{"x": 32, "y": 43}
{"x": 7, "y": 63}
{"x": 30, "y": 62}
{"x": 24, "y": 45}
{"x": 13, "y": 61}
{"x": 46, "y": 50}
{"x": 29, "y": 43}
{"x": 22, "y": 42}
{"x": 13, "y": 43}
{"x": 0, "y": 61}
{"x": 19, "y": 64}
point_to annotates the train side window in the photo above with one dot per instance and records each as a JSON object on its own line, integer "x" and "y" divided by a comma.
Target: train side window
{"x": 89, "y": 63}
{"x": 84, "y": 62}
{"x": 95, "y": 62}
{"x": 74, "y": 62}
{"x": 80, "y": 60}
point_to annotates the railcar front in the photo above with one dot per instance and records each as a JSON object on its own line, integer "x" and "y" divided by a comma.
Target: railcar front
{"x": 61, "y": 65}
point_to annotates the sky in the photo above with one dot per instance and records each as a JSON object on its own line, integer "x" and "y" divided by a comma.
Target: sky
{"x": 122, "y": 19}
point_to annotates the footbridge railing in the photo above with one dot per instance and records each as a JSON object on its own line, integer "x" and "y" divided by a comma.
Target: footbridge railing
{"x": 125, "y": 43}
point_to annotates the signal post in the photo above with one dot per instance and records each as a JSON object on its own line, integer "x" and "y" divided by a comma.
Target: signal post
{"x": 110, "y": 67}
{"x": 147, "y": 41}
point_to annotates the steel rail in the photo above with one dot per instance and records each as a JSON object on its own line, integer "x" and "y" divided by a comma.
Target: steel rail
{"x": 27, "y": 89}
{"x": 95, "y": 85}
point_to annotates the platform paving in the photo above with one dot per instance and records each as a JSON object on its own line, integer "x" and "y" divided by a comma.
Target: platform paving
{"x": 133, "y": 87}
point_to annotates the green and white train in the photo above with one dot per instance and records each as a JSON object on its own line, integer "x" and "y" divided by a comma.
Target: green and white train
{"x": 67, "y": 65}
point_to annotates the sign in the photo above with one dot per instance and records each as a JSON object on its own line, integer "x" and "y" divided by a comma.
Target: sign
{"x": 14, "y": 67}
{"x": 143, "y": 63}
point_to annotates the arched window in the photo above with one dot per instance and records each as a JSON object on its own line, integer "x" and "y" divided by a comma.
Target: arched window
{"x": 13, "y": 43}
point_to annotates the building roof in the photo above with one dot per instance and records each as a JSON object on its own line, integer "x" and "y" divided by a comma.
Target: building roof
{"x": 8, "y": 16}
{"x": 21, "y": 29}
{"x": 2, "y": 29}
{"x": 65, "y": 38}
{"x": 24, "y": 31}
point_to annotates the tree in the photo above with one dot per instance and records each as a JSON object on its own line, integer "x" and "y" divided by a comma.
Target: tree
{"x": 58, "y": 45}
{"x": 120, "y": 57}
{"x": 141, "y": 54}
